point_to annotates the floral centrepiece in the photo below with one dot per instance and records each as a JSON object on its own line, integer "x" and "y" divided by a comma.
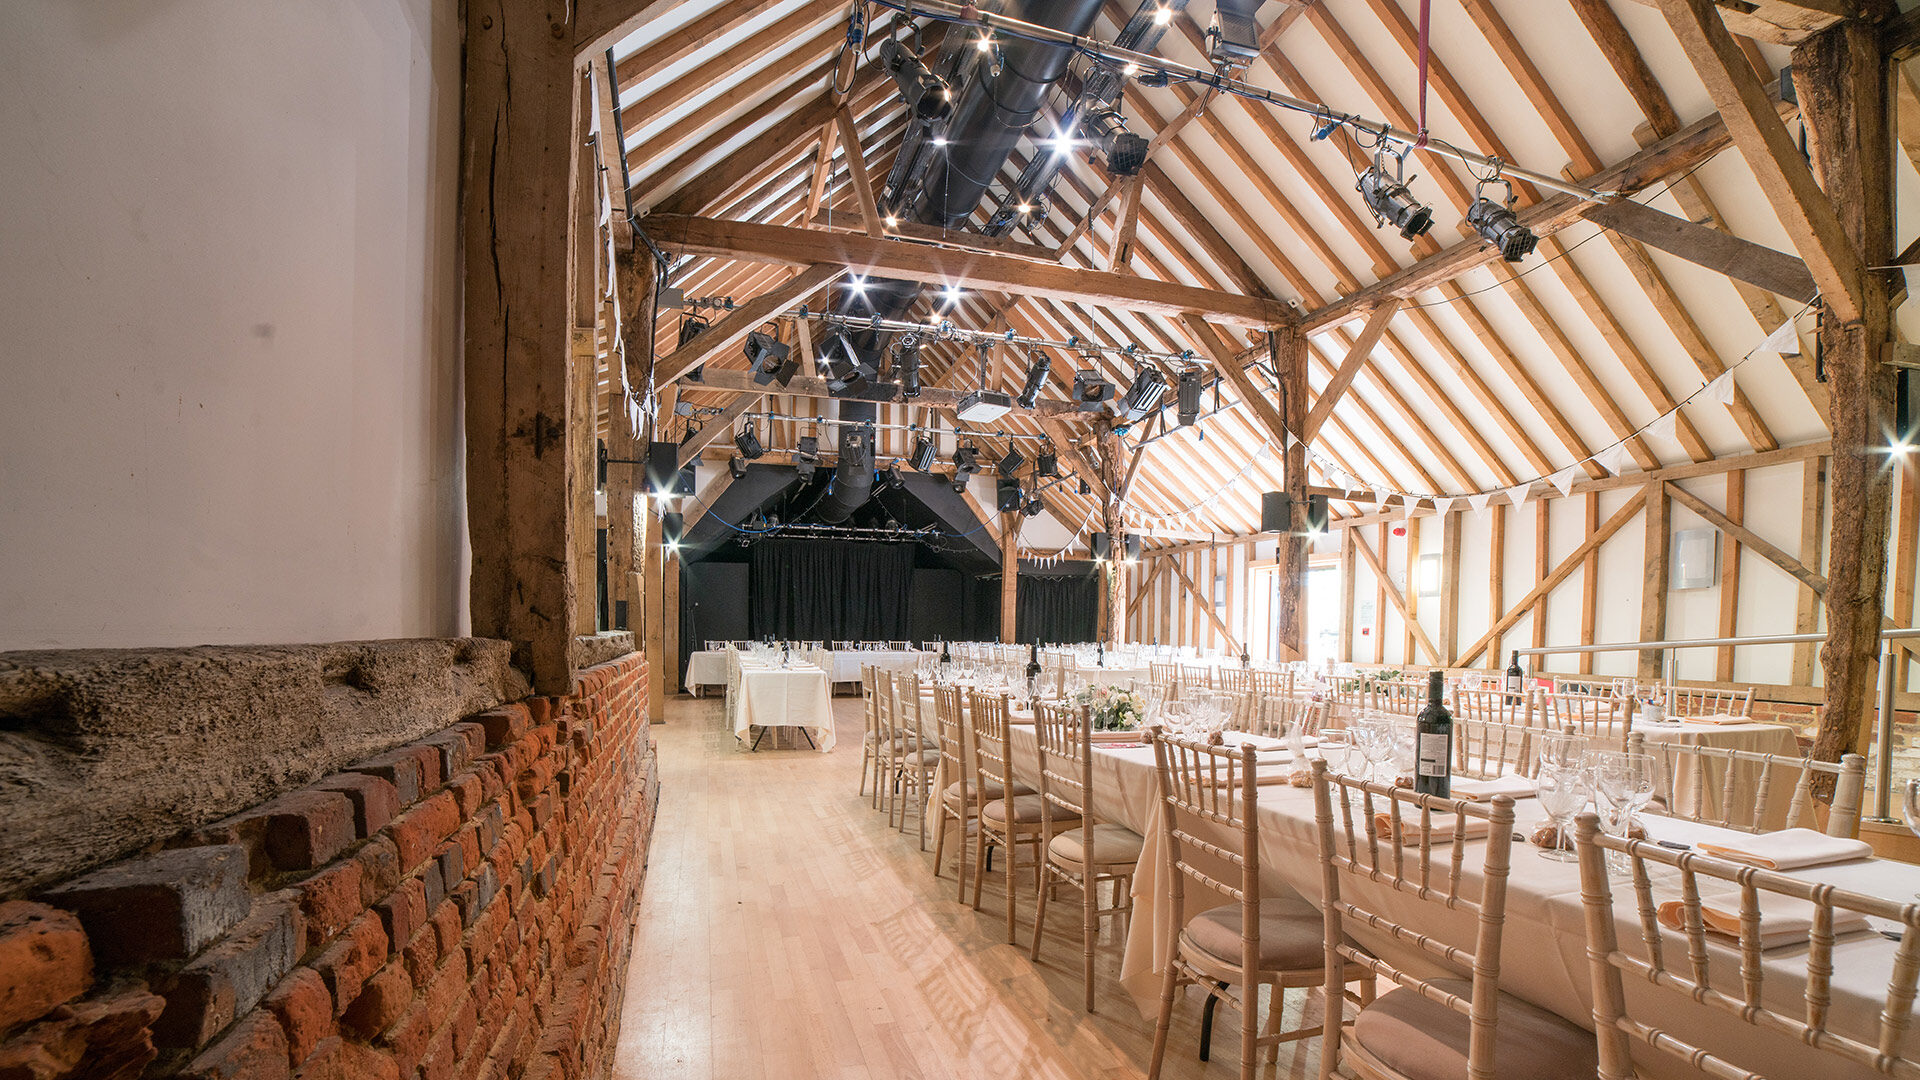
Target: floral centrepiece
{"x": 1112, "y": 708}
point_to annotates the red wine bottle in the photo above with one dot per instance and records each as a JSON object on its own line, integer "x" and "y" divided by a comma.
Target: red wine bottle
{"x": 1514, "y": 676}
{"x": 1433, "y": 745}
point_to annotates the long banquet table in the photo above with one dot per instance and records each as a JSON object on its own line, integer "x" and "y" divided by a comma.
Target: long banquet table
{"x": 769, "y": 696}
{"x": 843, "y": 666}
{"x": 1544, "y": 948}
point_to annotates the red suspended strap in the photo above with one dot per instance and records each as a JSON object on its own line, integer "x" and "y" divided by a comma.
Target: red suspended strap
{"x": 1426, "y": 16}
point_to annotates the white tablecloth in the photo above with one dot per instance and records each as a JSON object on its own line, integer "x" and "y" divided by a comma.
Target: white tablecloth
{"x": 1544, "y": 947}
{"x": 845, "y": 666}
{"x": 706, "y": 668}
{"x": 782, "y": 697}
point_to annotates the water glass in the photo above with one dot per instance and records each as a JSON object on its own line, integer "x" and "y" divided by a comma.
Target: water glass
{"x": 1562, "y": 791}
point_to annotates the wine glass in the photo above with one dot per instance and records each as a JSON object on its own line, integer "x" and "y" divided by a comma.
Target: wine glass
{"x": 1562, "y": 791}
{"x": 1376, "y": 744}
{"x": 1559, "y": 749}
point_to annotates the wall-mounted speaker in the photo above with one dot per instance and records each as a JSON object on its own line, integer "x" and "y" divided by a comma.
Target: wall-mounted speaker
{"x": 1100, "y": 542}
{"x": 1317, "y": 516}
{"x": 664, "y": 475}
{"x": 1008, "y": 495}
{"x": 1276, "y": 511}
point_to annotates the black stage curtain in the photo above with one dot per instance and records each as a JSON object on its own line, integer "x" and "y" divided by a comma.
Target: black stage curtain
{"x": 1057, "y": 608}
{"x": 823, "y": 590}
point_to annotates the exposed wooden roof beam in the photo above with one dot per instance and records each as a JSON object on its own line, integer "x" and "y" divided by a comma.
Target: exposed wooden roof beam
{"x": 1782, "y": 22}
{"x": 799, "y": 247}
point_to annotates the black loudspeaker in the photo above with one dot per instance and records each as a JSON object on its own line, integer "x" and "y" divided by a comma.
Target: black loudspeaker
{"x": 672, "y": 527}
{"x": 664, "y": 475}
{"x": 1316, "y": 513}
{"x": 1009, "y": 497}
{"x": 1276, "y": 512}
{"x": 1100, "y": 542}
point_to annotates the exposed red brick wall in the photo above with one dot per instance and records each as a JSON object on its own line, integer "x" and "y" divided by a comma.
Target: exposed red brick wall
{"x": 460, "y": 906}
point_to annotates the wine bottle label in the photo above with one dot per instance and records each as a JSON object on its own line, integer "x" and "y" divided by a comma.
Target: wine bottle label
{"x": 1433, "y": 755}
{"x": 1513, "y": 683}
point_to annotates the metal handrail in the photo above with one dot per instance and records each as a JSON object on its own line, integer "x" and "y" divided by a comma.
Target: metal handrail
{"x": 1883, "y": 728}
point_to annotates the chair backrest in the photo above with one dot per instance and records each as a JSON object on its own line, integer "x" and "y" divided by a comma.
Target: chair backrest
{"x": 950, "y": 719}
{"x": 887, "y": 705}
{"x": 1195, "y": 677}
{"x": 1207, "y": 790}
{"x": 1751, "y": 785}
{"x": 870, "y": 701}
{"x": 1402, "y": 697}
{"x": 1272, "y": 683}
{"x": 1602, "y": 718}
{"x": 1234, "y": 680}
{"x": 1496, "y": 707}
{"x": 992, "y": 754}
{"x": 1484, "y": 749}
{"x": 1381, "y": 855}
{"x": 1066, "y": 766}
{"x": 1727, "y": 901}
{"x": 1702, "y": 701}
{"x": 1276, "y": 715}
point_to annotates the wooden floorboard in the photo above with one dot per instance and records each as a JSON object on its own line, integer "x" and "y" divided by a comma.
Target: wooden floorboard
{"x": 786, "y": 932}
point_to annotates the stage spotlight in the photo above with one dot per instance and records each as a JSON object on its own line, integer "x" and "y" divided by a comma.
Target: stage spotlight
{"x": 1034, "y": 507}
{"x": 1091, "y": 390}
{"x": 1144, "y": 395}
{"x": 907, "y": 366}
{"x": 737, "y": 465}
{"x": 847, "y": 371}
{"x": 966, "y": 460}
{"x": 1187, "y": 393}
{"x": 1391, "y": 203}
{"x": 748, "y": 443}
{"x": 807, "y": 459}
{"x": 927, "y": 96}
{"x": 894, "y": 479}
{"x": 1085, "y": 488}
{"x": 1497, "y": 224}
{"x": 771, "y": 359}
{"x": 924, "y": 453}
{"x": 1036, "y": 381}
{"x": 1047, "y": 465}
{"x": 959, "y": 483}
{"x": 1011, "y": 463}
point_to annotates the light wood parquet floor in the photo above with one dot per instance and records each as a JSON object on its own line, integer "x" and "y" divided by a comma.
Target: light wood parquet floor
{"x": 787, "y": 933}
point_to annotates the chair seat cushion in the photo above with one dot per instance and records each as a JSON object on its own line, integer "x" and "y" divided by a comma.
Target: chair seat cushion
{"x": 1113, "y": 845}
{"x": 1425, "y": 1040}
{"x": 961, "y": 790}
{"x": 1027, "y": 810}
{"x": 924, "y": 757}
{"x": 1292, "y": 933}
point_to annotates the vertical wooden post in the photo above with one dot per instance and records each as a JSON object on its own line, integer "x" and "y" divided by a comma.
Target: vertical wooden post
{"x": 1407, "y": 653}
{"x": 1908, "y": 515}
{"x": 1730, "y": 575}
{"x": 1806, "y": 619}
{"x": 1653, "y": 582}
{"x": 1496, "y": 578}
{"x": 1110, "y": 476}
{"x": 1347, "y": 570}
{"x": 1540, "y": 516}
{"x": 655, "y": 623}
{"x": 1450, "y": 586}
{"x": 1380, "y": 597}
{"x": 634, "y": 284}
{"x": 1010, "y": 576}
{"x": 517, "y": 157}
{"x": 1290, "y": 362}
{"x": 669, "y": 658}
{"x": 1589, "y": 585}
{"x": 583, "y": 359}
{"x": 1843, "y": 81}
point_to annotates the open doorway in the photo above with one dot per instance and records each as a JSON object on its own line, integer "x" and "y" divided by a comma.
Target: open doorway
{"x": 1323, "y": 611}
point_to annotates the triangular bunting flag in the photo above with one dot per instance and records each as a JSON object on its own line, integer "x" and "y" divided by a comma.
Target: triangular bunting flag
{"x": 1517, "y": 494}
{"x": 1721, "y": 389}
{"x": 1479, "y": 500}
{"x": 1663, "y": 428}
{"x": 1408, "y": 504}
{"x": 1563, "y": 480}
{"x": 1614, "y": 458}
{"x": 1784, "y": 341}
{"x": 1442, "y": 504}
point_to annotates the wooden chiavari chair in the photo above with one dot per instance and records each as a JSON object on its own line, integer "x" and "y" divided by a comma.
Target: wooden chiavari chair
{"x": 919, "y": 754}
{"x": 1233, "y": 680}
{"x": 957, "y": 801}
{"x": 1728, "y": 903}
{"x": 871, "y": 757}
{"x": 1275, "y": 717}
{"x": 1165, "y": 677}
{"x": 1601, "y": 718}
{"x": 1401, "y": 697}
{"x": 1494, "y": 734}
{"x": 1209, "y": 799}
{"x": 1771, "y": 777}
{"x": 1425, "y": 1027}
{"x": 1272, "y": 683}
{"x": 1008, "y": 823}
{"x": 1691, "y": 701}
{"x": 1194, "y": 678}
{"x": 1096, "y": 852}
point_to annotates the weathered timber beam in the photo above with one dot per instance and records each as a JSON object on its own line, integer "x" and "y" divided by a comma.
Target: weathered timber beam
{"x": 802, "y": 247}
{"x": 1204, "y": 603}
{"x": 1781, "y": 22}
{"x": 1748, "y": 538}
{"x": 716, "y": 428}
{"x": 813, "y": 386}
{"x": 1349, "y": 369}
{"x": 1782, "y": 171}
{"x": 1725, "y": 253}
{"x": 1393, "y": 594}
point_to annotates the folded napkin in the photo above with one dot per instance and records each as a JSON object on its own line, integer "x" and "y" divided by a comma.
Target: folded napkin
{"x": 1783, "y": 919}
{"x": 1514, "y": 787}
{"x": 1443, "y": 826}
{"x": 1789, "y": 849}
{"x": 1258, "y": 742}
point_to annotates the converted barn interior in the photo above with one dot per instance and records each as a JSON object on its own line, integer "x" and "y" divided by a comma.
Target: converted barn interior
{"x": 1048, "y": 538}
